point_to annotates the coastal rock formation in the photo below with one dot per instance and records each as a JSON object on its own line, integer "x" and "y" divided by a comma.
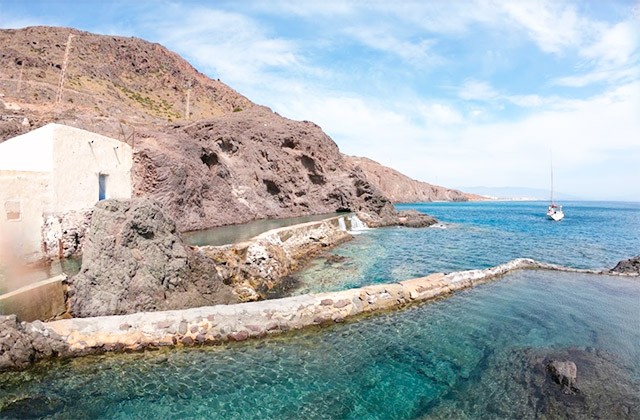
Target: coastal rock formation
{"x": 256, "y": 267}
{"x": 415, "y": 219}
{"x": 134, "y": 260}
{"x": 63, "y": 233}
{"x": 21, "y": 344}
{"x": 400, "y": 188}
{"x": 251, "y": 165}
{"x": 629, "y": 266}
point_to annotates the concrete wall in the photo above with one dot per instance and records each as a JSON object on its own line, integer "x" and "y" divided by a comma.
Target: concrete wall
{"x": 31, "y": 194}
{"x": 79, "y": 157}
{"x": 43, "y": 300}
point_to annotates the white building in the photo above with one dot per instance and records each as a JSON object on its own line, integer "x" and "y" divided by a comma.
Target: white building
{"x": 52, "y": 170}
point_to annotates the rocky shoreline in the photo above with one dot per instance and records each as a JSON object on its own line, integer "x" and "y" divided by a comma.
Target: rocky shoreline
{"x": 22, "y": 344}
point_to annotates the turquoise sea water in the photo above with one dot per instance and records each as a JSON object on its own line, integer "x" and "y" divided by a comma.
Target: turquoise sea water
{"x": 480, "y": 235}
{"x": 476, "y": 355}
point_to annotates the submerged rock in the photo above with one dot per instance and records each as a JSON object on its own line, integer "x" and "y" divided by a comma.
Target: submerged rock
{"x": 135, "y": 260}
{"x": 565, "y": 374}
{"x": 629, "y": 266}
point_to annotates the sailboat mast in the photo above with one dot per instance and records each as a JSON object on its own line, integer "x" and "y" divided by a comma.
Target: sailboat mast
{"x": 551, "y": 183}
{"x": 551, "y": 161}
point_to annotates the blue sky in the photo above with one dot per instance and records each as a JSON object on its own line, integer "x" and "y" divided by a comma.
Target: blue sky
{"x": 459, "y": 93}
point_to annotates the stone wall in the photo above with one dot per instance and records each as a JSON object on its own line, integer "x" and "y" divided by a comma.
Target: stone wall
{"x": 43, "y": 300}
{"x": 256, "y": 266}
{"x": 237, "y": 322}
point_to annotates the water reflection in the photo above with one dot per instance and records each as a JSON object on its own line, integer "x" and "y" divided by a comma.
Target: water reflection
{"x": 224, "y": 235}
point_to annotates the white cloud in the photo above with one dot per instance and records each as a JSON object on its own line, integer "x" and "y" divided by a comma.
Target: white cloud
{"x": 553, "y": 25}
{"x": 616, "y": 45}
{"x": 416, "y": 53}
{"x": 229, "y": 45}
{"x": 476, "y": 90}
{"x": 437, "y": 144}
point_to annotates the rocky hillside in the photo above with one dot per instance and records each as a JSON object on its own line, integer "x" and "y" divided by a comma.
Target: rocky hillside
{"x": 250, "y": 165}
{"x": 107, "y": 78}
{"x": 228, "y": 161}
{"x": 400, "y": 188}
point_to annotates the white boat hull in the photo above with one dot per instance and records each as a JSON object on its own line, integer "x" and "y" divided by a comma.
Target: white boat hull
{"x": 555, "y": 213}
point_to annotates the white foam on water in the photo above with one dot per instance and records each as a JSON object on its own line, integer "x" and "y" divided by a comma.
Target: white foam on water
{"x": 357, "y": 225}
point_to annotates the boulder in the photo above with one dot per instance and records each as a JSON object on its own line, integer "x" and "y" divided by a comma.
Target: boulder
{"x": 629, "y": 266}
{"x": 135, "y": 261}
{"x": 564, "y": 373}
{"x": 23, "y": 343}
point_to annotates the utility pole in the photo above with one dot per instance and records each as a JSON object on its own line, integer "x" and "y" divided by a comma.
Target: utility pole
{"x": 188, "y": 107}
{"x": 20, "y": 77}
{"x": 65, "y": 61}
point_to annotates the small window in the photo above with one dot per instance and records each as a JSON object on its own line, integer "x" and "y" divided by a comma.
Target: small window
{"x": 102, "y": 187}
{"x": 12, "y": 209}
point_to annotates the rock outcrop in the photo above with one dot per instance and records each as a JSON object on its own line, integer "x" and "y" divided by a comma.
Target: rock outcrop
{"x": 134, "y": 261}
{"x": 629, "y": 266}
{"x": 229, "y": 161}
{"x": 400, "y": 188}
{"x": 254, "y": 268}
{"x": 415, "y": 219}
{"x": 565, "y": 374}
{"x": 251, "y": 165}
{"x": 21, "y": 344}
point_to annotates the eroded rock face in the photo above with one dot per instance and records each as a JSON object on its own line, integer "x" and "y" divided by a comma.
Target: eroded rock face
{"x": 630, "y": 266}
{"x": 251, "y": 165}
{"x": 63, "y": 233}
{"x": 134, "y": 260}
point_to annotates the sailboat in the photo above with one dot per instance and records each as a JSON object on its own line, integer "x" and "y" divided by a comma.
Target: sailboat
{"x": 554, "y": 211}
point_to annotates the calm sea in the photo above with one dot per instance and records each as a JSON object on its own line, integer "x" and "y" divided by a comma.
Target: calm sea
{"x": 476, "y": 355}
{"x": 480, "y": 235}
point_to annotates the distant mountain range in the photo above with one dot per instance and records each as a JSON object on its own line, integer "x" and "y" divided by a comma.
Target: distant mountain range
{"x": 518, "y": 193}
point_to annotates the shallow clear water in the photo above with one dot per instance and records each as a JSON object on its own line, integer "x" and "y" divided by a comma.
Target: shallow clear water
{"x": 480, "y": 235}
{"x": 224, "y": 235}
{"x": 16, "y": 277}
{"x": 469, "y": 356}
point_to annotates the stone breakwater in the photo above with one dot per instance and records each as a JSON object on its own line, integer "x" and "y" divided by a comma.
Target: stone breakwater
{"x": 238, "y": 322}
{"x": 255, "y": 266}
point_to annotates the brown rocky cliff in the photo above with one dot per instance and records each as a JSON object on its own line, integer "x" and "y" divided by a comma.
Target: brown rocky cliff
{"x": 250, "y": 165}
{"x": 231, "y": 162}
{"x": 400, "y": 188}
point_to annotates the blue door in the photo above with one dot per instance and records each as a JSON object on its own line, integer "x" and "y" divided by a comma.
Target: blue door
{"x": 102, "y": 186}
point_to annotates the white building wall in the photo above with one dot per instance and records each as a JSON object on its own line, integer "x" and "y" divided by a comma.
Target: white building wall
{"x": 32, "y": 193}
{"x": 55, "y": 169}
{"x": 79, "y": 157}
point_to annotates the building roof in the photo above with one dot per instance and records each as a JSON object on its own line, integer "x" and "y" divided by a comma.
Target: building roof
{"x": 34, "y": 151}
